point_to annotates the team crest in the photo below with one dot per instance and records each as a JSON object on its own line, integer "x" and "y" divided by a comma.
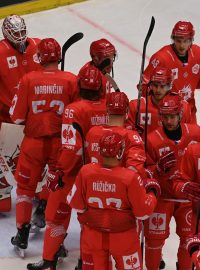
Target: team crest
{"x": 68, "y": 135}
{"x": 195, "y": 69}
{"x": 132, "y": 261}
{"x": 164, "y": 150}
{"x": 12, "y": 61}
{"x": 157, "y": 222}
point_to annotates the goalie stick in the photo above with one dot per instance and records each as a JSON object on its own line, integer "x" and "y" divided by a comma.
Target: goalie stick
{"x": 73, "y": 39}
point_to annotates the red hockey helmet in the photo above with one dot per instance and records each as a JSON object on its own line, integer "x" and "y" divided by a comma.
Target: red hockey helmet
{"x": 162, "y": 76}
{"x": 14, "y": 30}
{"x": 101, "y": 49}
{"x": 112, "y": 144}
{"x": 183, "y": 29}
{"x": 90, "y": 78}
{"x": 117, "y": 103}
{"x": 49, "y": 50}
{"x": 171, "y": 105}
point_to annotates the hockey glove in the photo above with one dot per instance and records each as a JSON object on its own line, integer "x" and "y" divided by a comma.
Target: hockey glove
{"x": 152, "y": 185}
{"x": 191, "y": 190}
{"x": 166, "y": 162}
{"x": 54, "y": 180}
{"x": 193, "y": 244}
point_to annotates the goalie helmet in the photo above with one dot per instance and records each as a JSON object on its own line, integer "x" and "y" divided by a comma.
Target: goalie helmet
{"x": 14, "y": 30}
{"x": 183, "y": 29}
{"x": 171, "y": 104}
{"x": 102, "y": 49}
{"x": 117, "y": 103}
{"x": 49, "y": 51}
{"x": 162, "y": 75}
{"x": 90, "y": 78}
{"x": 112, "y": 145}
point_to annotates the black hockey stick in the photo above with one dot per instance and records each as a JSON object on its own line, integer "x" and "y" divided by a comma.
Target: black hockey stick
{"x": 197, "y": 223}
{"x": 151, "y": 27}
{"x": 73, "y": 39}
{"x": 80, "y": 131}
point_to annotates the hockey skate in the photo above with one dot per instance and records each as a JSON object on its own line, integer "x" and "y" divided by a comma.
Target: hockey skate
{"x": 79, "y": 265}
{"x": 162, "y": 264}
{"x": 42, "y": 265}
{"x": 38, "y": 218}
{"x": 20, "y": 241}
{"x": 61, "y": 254}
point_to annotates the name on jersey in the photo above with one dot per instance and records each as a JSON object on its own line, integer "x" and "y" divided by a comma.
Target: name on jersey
{"x": 103, "y": 186}
{"x": 48, "y": 89}
{"x": 99, "y": 120}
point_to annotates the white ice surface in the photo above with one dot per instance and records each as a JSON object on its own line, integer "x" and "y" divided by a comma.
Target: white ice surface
{"x": 125, "y": 23}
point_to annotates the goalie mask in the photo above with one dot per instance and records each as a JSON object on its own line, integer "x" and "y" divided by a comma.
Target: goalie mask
{"x": 14, "y": 30}
{"x": 112, "y": 145}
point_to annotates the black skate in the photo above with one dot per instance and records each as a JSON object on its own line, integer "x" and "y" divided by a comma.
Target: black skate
{"x": 38, "y": 218}
{"x": 42, "y": 265}
{"x": 61, "y": 254}
{"x": 20, "y": 241}
{"x": 162, "y": 264}
{"x": 79, "y": 265}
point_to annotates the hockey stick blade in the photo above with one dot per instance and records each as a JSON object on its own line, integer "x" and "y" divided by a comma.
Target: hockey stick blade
{"x": 73, "y": 39}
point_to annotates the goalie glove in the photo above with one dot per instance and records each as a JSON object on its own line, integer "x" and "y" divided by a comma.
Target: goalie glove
{"x": 54, "y": 180}
{"x": 191, "y": 190}
{"x": 166, "y": 162}
{"x": 152, "y": 185}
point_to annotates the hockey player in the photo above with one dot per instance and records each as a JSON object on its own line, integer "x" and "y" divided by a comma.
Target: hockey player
{"x": 18, "y": 56}
{"x": 182, "y": 57}
{"x": 160, "y": 85}
{"x": 87, "y": 112}
{"x": 100, "y": 50}
{"x": 117, "y": 105}
{"x": 39, "y": 104}
{"x": 165, "y": 147}
{"x": 109, "y": 198}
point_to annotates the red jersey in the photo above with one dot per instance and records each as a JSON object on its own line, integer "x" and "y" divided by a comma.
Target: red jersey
{"x": 106, "y": 86}
{"x": 14, "y": 65}
{"x": 153, "y": 114}
{"x": 40, "y": 101}
{"x": 97, "y": 188}
{"x": 87, "y": 114}
{"x": 158, "y": 143}
{"x": 134, "y": 155}
{"x": 186, "y": 75}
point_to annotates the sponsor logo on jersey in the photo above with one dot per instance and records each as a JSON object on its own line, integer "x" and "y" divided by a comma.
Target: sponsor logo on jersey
{"x": 35, "y": 58}
{"x": 132, "y": 261}
{"x": 157, "y": 222}
{"x": 164, "y": 150}
{"x": 12, "y": 61}
{"x": 68, "y": 135}
{"x": 186, "y": 92}
{"x": 143, "y": 117}
{"x": 195, "y": 69}
{"x": 175, "y": 73}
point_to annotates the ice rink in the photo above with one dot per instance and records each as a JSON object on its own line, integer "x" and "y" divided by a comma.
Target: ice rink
{"x": 125, "y": 24}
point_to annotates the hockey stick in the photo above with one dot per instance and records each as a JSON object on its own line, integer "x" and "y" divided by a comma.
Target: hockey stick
{"x": 80, "y": 131}
{"x": 151, "y": 27}
{"x": 197, "y": 224}
{"x": 73, "y": 39}
{"x": 137, "y": 120}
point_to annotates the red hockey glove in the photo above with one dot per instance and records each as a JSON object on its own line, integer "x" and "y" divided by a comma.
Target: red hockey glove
{"x": 152, "y": 185}
{"x": 193, "y": 244}
{"x": 191, "y": 191}
{"x": 166, "y": 162}
{"x": 54, "y": 180}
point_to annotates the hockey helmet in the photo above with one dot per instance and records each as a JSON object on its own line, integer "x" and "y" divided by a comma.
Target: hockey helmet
{"x": 117, "y": 103}
{"x": 183, "y": 29}
{"x": 49, "y": 50}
